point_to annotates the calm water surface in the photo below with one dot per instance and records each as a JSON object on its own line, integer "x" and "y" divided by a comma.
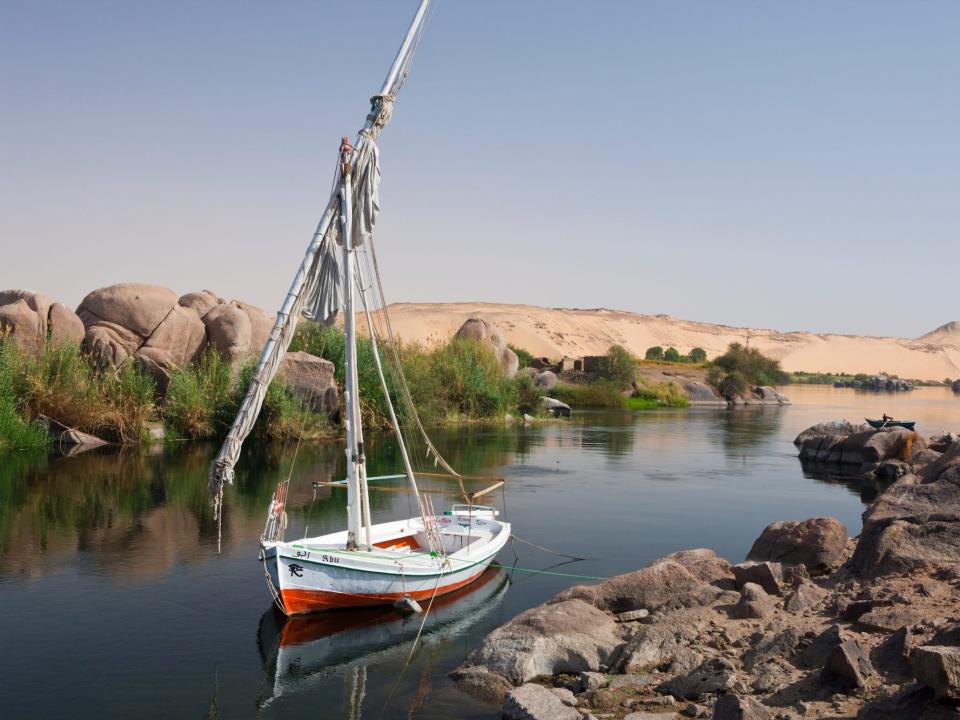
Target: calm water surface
{"x": 115, "y": 602}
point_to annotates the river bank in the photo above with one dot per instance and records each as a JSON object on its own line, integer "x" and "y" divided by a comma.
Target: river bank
{"x": 814, "y": 623}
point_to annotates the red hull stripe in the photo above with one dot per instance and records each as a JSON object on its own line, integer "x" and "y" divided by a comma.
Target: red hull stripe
{"x": 304, "y": 601}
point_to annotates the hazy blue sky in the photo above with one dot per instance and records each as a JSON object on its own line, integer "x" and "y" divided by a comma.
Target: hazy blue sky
{"x": 780, "y": 164}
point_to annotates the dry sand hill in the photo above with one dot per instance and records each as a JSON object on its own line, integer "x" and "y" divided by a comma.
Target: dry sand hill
{"x": 559, "y": 332}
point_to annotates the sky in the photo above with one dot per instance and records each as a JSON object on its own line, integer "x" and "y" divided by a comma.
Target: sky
{"x": 766, "y": 164}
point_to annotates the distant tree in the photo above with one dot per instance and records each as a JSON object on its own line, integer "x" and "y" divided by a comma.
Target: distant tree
{"x": 618, "y": 366}
{"x": 671, "y": 354}
{"x": 654, "y": 353}
{"x": 698, "y": 355}
{"x": 753, "y": 366}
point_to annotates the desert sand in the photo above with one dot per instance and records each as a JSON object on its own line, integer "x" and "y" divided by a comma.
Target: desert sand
{"x": 562, "y": 332}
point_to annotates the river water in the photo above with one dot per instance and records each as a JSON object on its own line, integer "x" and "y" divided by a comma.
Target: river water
{"x": 114, "y": 601}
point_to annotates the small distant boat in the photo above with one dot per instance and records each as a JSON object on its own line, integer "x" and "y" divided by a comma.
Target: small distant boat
{"x": 878, "y": 424}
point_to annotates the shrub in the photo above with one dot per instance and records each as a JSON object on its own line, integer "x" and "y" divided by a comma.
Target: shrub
{"x": 600, "y": 394}
{"x": 733, "y": 383}
{"x": 528, "y": 394}
{"x": 197, "y": 396}
{"x": 671, "y": 354}
{"x": 525, "y": 358}
{"x": 663, "y": 393}
{"x": 755, "y": 367}
{"x": 618, "y": 366}
{"x": 654, "y": 353}
{"x": 698, "y": 355}
{"x": 65, "y": 385}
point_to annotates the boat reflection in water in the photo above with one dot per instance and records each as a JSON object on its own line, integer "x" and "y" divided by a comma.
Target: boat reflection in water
{"x": 298, "y": 651}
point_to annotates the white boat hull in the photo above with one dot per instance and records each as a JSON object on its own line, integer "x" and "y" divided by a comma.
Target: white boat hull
{"x": 319, "y": 573}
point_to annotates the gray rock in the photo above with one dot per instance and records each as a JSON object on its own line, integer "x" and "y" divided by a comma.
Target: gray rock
{"x": 770, "y": 396}
{"x": 806, "y": 596}
{"x": 535, "y": 702}
{"x": 555, "y": 407}
{"x": 679, "y": 580}
{"x": 890, "y": 619}
{"x": 740, "y": 707}
{"x": 892, "y": 469}
{"x": 938, "y": 667}
{"x": 892, "y": 656}
{"x": 848, "y": 663}
{"x": 312, "y": 381}
{"x": 915, "y": 701}
{"x": 713, "y": 675}
{"x": 566, "y": 696}
{"x": 836, "y": 428}
{"x": 633, "y": 615}
{"x": 561, "y": 637}
{"x": 651, "y": 716}
{"x": 546, "y": 380}
{"x": 592, "y": 680}
{"x": 914, "y": 526}
{"x": 754, "y": 603}
{"x": 816, "y": 653}
{"x": 771, "y": 646}
{"x": 817, "y": 544}
{"x": 487, "y": 333}
{"x": 660, "y": 646}
{"x": 768, "y": 575}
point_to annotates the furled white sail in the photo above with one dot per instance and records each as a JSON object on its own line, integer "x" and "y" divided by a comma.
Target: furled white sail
{"x": 316, "y": 291}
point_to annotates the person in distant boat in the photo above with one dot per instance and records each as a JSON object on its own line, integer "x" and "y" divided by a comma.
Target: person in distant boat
{"x": 887, "y": 418}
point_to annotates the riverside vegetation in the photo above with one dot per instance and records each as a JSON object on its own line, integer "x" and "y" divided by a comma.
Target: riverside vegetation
{"x": 459, "y": 381}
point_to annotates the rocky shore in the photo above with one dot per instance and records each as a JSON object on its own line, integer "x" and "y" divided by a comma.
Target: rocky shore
{"x": 813, "y": 624}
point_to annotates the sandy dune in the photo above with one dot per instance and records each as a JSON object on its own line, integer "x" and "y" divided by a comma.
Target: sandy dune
{"x": 558, "y": 332}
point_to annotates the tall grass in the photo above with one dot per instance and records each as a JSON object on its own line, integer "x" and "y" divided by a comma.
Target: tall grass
{"x": 600, "y": 394}
{"x": 666, "y": 393}
{"x": 62, "y": 384}
{"x": 197, "y": 397}
{"x": 16, "y": 433}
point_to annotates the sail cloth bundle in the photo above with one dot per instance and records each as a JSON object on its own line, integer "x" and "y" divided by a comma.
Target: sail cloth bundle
{"x": 317, "y": 291}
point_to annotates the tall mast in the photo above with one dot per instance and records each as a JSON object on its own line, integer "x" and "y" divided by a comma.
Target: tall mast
{"x": 351, "y": 419}
{"x": 306, "y": 280}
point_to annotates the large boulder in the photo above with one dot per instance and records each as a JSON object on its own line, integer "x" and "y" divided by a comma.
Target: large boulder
{"x": 32, "y": 318}
{"x": 684, "y": 579}
{"x": 560, "y": 637}
{"x": 137, "y": 307}
{"x": 178, "y": 339}
{"x": 915, "y": 524}
{"x": 535, "y": 702}
{"x": 490, "y": 335}
{"x": 817, "y": 544}
{"x": 769, "y": 396}
{"x": 20, "y": 323}
{"x": 938, "y": 667}
{"x": 312, "y": 381}
{"x": 740, "y": 707}
{"x": 64, "y": 327}
{"x": 237, "y": 330}
{"x": 546, "y": 380}
{"x": 702, "y": 394}
{"x": 833, "y": 428}
{"x": 200, "y": 302}
{"x": 108, "y": 343}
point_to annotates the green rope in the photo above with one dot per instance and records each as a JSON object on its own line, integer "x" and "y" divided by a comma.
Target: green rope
{"x": 547, "y": 572}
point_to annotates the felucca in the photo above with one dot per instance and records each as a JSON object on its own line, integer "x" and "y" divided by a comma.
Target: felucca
{"x": 416, "y": 558}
